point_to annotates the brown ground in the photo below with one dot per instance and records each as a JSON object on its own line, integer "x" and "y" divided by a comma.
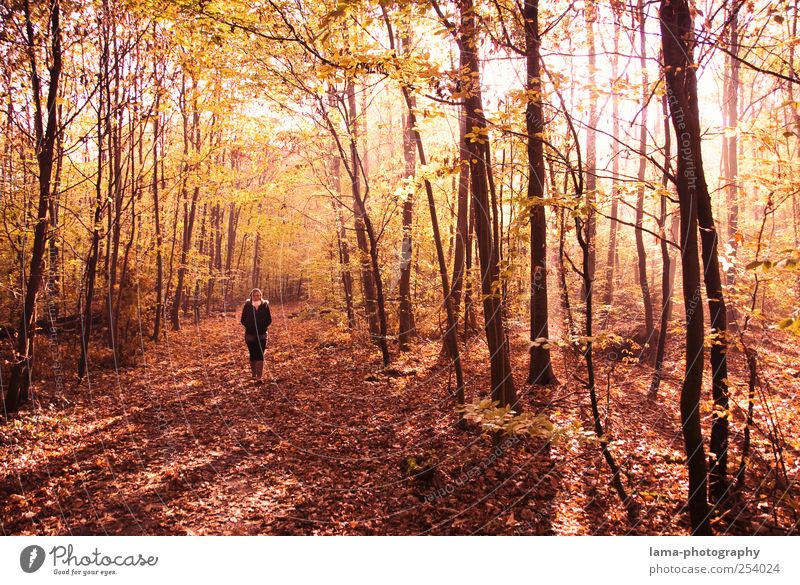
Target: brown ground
{"x": 184, "y": 443}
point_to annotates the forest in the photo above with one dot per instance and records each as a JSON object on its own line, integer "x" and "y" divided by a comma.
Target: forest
{"x": 531, "y": 268}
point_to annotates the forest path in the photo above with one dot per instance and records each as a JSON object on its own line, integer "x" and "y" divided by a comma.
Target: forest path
{"x": 185, "y": 443}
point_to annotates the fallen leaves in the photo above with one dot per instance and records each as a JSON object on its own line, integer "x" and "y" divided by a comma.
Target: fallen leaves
{"x": 193, "y": 447}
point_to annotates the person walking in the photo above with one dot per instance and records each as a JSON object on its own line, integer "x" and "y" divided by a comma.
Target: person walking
{"x": 256, "y": 319}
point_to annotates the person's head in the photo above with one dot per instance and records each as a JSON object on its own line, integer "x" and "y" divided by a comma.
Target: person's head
{"x": 255, "y": 294}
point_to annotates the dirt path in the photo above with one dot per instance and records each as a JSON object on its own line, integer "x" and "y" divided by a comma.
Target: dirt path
{"x": 185, "y": 443}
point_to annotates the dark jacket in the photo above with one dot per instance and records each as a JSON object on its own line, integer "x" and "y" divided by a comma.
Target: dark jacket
{"x": 256, "y": 321}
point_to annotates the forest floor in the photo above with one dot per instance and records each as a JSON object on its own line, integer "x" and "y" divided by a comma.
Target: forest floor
{"x": 185, "y": 443}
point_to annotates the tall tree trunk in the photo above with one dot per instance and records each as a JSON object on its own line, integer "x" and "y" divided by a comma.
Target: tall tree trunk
{"x": 46, "y": 133}
{"x": 611, "y": 258}
{"x": 563, "y": 291}
{"x": 667, "y": 269}
{"x": 213, "y": 229}
{"x": 201, "y": 241}
{"x": 376, "y": 307}
{"x": 582, "y": 231}
{"x": 677, "y": 37}
{"x": 230, "y": 246}
{"x": 451, "y": 335}
{"x": 99, "y": 207}
{"x": 462, "y": 214}
{"x": 133, "y": 182}
{"x": 367, "y": 277}
{"x": 155, "y": 184}
{"x": 214, "y": 252}
{"x": 407, "y": 327}
{"x": 730, "y": 144}
{"x": 470, "y": 320}
{"x": 718, "y": 444}
{"x": 540, "y": 370}
{"x": 590, "y": 15}
{"x": 115, "y": 186}
{"x": 502, "y": 380}
{"x": 53, "y": 280}
{"x": 341, "y": 240}
{"x": 255, "y": 273}
{"x": 640, "y": 250}
{"x": 189, "y": 207}
{"x": 451, "y": 338}
{"x": 175, "y": 221}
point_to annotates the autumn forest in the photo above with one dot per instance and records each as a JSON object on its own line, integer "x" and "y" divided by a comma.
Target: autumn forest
{"x": 523, "y": 268}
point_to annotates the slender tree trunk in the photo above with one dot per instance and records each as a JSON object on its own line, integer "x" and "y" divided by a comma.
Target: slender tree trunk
{"x": 46, "y": 132}
{"x": 213, "y": 228}
{"x": 370, "y": 267}
{"x": 116, "y": 183}
{"x": 344, "y": 264}
{"x": 53, "y": 281}
{"x": 136, "y": 129}
{"x": 502, "y": 380}
{"x": 341, "y": 239}
{"x": 540, "y": 370}
{"x": 497, "y": 240}
{"x": 214, "y": 251}
{"x": 582, "y": 231}
{"x": 640, "y": 249}
{"x": 608, "y": 299}
{"x": 451, "y": 339}
{"x": 731, "y": 145}
{"x": 406, "y": 312}
{"x": 718, "y": 445}
{"x": 470, "y": 320}
{"x": 156, "y": 213}
{"x": 667, "y": 269}
{"x": 451, "y": 335}
{"x": 134, "y": 195}
{"x": 462, "y": 216}
{"x": 200, "y": 250}
{"x": 566, "y": 308}
{"x": 255, "y": 273}
{"x": 590, "y": 15}
{"x": 189, "y": 208}
{"x": 367, "y": 277}
{"x": 230, "y": 247}
{"x": 677, "y": 36}
{"x": 99, "y": 207}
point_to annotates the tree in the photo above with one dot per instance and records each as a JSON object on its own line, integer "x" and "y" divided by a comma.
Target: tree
{"x": 611, "y": 257}
{"x": 730, "y": 144}
{"x": 677, "y": 37}
{"x": 159, "y": 285}
{"x": 477, "y": 136}
{"x": 406, "y": 313}
{"x": 341, "y": 236}
{"x": 46, "y": 133}
{"x": 590, "y": 17}
{"x": 451, "y": 339}
{"x": 367, "y": 240}
{"x": 667, "y": 265}
{"x": 540, "y": 368}
{"x": 191, "y": 136}
{"x": 640, "y": 249}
